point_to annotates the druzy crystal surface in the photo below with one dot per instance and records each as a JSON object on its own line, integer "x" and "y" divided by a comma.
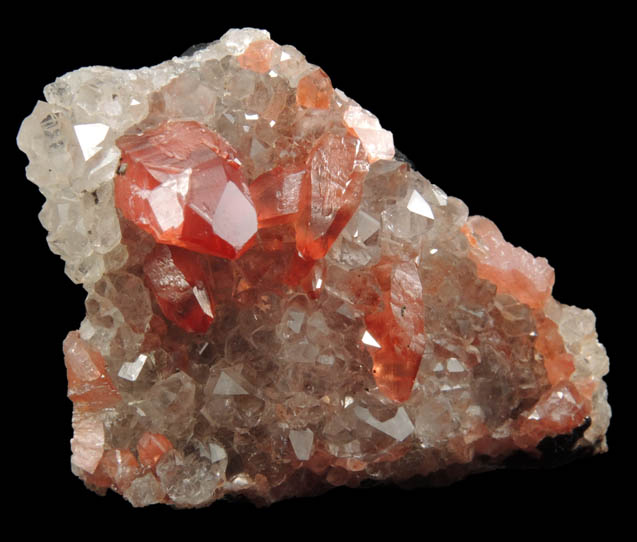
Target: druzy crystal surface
{"x": 276, "y": 305}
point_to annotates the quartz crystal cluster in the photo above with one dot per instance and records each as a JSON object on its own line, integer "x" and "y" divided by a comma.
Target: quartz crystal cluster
{"x": 276, "y": 304}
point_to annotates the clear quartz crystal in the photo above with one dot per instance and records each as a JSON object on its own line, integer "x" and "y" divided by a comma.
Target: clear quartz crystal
{"x": 272, "y": 293}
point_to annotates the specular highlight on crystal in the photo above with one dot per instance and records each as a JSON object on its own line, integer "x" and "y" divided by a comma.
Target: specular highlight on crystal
{"x": 276, "y": 305}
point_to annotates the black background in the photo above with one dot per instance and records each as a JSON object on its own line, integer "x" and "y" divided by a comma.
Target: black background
{"x": 516, "y": 113}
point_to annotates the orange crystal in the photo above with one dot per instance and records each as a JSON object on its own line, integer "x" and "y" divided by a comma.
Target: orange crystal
{"x": 258, "y": 56}
{"x": 117, "y": 469}
{"x": 151, "y": 447}
{"x": 397, "y": 332}
{"x": 276, "y": 195}
{"x": 315, "y": 90}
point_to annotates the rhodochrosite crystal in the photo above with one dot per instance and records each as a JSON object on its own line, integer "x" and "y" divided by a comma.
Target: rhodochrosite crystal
{"x": 276, "y": 305}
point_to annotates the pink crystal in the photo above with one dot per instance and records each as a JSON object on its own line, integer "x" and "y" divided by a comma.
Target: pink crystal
{"x": 90, "y": 386}
{"x": 512, "y": 269}
{"x": 378, "y": 143}
{"x": 87, "y": 444}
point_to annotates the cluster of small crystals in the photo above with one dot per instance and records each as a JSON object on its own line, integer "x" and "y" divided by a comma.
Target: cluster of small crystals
{"x": 275, "y": 304}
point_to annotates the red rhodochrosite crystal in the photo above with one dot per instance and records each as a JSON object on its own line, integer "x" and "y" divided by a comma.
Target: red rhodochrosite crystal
{"x": 396, "y": 334}
{"x": 278, "y": 303}
{"x": 258, "y": 56}
{"x": 315, "y": 90}
{"x": 151, "y": 447}
{"x": 512, "y": 269}
{"x": 117, "y": 469}
{"x": 330, "y": 193}
{"x": 183, "y": 184}
{"x": 181, "y": 286}
{"x": 276, "y": 195}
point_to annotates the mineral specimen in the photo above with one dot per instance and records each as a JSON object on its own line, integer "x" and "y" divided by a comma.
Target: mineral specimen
{"x": 276, "y": 304}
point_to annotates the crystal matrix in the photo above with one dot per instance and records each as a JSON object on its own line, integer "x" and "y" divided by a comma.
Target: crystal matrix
{"x": 275, "y": 304}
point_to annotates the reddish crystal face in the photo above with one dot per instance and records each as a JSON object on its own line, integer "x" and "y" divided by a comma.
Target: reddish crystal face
{"x": 181, "y": 286}
{"x": 330, "y": 193}
{"x": 183, "y": 184}
{"x": 90, "y": 386}
{"x": 276, "y": 195}
{"x": 397, "y": 330}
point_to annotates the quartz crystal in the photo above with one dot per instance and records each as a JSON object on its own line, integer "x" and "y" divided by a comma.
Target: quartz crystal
{"x": 277, "y": 304}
